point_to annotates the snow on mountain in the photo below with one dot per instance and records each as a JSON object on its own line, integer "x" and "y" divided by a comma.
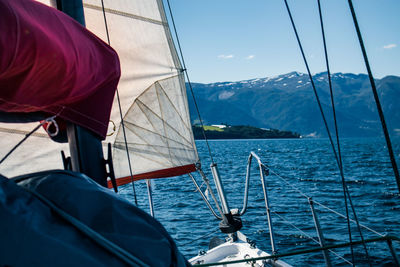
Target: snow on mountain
{"x": 287, "y": 102}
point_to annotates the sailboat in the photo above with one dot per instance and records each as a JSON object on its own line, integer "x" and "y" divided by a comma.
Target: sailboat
{"x": 65, "y": 77}
{"x": 151, "y": 92}
{"x": 149, "y": 133}
{"x": 60, "y": 78}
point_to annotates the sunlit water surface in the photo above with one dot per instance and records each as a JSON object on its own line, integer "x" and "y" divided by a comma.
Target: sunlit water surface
{"x": 309, "y": 166}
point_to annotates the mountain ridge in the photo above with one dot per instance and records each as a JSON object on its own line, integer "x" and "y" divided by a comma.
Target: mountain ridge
{"x": 287, "y": 102}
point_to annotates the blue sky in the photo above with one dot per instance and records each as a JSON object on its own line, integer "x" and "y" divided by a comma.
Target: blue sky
{"x": 232, "y": 40}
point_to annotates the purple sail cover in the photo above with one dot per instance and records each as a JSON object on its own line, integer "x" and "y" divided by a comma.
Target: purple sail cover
{"x": 50, "y": 63}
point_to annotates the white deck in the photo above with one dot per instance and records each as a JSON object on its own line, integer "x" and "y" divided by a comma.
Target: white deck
{"x": 237, "y": 250}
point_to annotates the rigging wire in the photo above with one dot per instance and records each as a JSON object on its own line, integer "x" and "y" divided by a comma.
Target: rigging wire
{"x": 345, "y": 189}
{"x": 205, "y": 198}
{"x": 336, "y": 127}
{"x": 376, "y": 97}
{"x": 189, "y": 83}
{"x": 120, "y": 113}
{"x": 312, "y": 84}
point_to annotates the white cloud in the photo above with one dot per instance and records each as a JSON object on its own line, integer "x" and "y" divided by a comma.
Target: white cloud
{"x": 389, "y": 46}
{"x": 250, "y": 57}
{"x": 226, "y": 56}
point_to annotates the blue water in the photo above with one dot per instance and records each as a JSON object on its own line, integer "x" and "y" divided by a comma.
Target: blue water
{"x": 309, "y": 166}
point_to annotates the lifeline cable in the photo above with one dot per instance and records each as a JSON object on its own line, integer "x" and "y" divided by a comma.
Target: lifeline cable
{"x": 301, "y": 252}
{"x": 376, "y": 97}
{"x": 309, "y": 237}
{"x": 190, "y": 84}
{"x": 318, "y": 203}
{"x": 120, "y": 113}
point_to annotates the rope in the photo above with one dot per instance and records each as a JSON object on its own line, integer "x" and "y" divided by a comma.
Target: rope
{"x": 48, "y": 120}
{"x": 120, "y": 113}
{"x": 376, "y": 97}
{"x": 190, "y": 84}
{"x": 345, "y": 189}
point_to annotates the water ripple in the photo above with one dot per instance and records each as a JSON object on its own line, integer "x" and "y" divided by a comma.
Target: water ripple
{"x": 309, "y": 166}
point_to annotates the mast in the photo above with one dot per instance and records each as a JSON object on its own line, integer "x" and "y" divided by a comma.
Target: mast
{"x": 85, "y": 146}
{"x": 73, "y": 8}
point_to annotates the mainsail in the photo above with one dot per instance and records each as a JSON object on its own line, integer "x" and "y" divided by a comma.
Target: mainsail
{"x": 152, "y": 93}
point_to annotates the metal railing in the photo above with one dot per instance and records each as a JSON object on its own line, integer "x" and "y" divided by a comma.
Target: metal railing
{"x": 264, "y": 171}
{"x": 388, "y": 239}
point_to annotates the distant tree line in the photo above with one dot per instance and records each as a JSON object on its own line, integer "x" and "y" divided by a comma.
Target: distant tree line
{"x": 242, "y": 132}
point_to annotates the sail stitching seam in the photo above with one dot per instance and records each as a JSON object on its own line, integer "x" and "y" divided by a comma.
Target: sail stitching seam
{"x": 161, "y": 89}
{"x": 137, "y": 144}
{"x": 138, "y": 99}
{"x": 170, "y": 126}
{"x": 22, "y": 132}
{"x": 164, "y": 138}
{"x": 126, "y": 14}
{"x": 167, "y": 138}
{"x": 162, "y": 118}
{"x": 148, "y": 158}
{"x": 172, "y": 104}
{"x": 141, "y": 106}
{"x": 154, "y": 153}
{"x": 134, "y": 132}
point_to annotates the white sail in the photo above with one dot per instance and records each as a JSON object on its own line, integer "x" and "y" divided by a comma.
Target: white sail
{"x": 37, "y": 153}
{"x": 151, "y": 91}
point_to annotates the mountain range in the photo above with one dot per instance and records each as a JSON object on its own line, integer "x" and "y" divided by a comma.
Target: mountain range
{"x": 287, "y": 102}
